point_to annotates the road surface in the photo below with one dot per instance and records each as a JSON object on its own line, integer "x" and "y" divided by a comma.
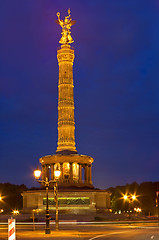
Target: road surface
{"x": 98, "y": 231}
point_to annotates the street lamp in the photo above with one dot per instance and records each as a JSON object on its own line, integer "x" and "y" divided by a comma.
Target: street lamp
{"x": 125, "y": 197}
{"x": 138, "y": 210}
{"x": 15, "y": 212}
{"x": 1, "y": 198}
{"x": 57, "y": 174}
{"x": 133, "y": 197}
{"x": 37, "y": 174}
{"x": 130, "y": 198}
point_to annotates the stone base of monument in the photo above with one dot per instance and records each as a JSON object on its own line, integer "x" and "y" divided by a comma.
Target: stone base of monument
{"x": 70, "y": 201}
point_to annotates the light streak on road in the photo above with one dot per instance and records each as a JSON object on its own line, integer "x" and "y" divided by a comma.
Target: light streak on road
{"x": 85, "y": 223}
{"x": 107, "y": 234}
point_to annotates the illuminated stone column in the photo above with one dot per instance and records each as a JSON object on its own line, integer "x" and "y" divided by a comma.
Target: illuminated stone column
{"x": 86, "y": 173}
{"x": 71, "y": 172}
{"x": 66, "y": 123}
{"x": 43, "y": 173}
{"x": 52, "y": 172}
{"x": 90, "y": 174}
{"x": 61, "y": 168}
{"x": 80, "y": 173}
{"x": 47, "y": 172}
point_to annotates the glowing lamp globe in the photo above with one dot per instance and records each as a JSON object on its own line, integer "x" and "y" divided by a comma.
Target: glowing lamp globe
{"x": 37, "y": 173}
{"x": 133, "y": 197}
{"x": 125, "y": 197}
{"x": 16, "y": 212}
{"x": 57, "y": 173}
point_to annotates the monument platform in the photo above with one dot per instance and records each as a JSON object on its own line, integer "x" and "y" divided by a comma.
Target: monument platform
{"x": 72, "y": 200}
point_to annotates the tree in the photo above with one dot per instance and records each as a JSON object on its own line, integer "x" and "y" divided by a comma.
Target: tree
{"x": 12, "y": 198}
{"x": 145, "y": 193}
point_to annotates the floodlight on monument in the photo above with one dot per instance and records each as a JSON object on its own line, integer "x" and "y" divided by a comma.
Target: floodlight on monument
{"x": 37, "y": 173}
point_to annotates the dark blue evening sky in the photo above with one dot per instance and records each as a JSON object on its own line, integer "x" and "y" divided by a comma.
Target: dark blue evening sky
{"x": 116, "y": 78}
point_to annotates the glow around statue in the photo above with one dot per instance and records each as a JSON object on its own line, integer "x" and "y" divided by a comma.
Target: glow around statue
{"x": 66, "y": 27}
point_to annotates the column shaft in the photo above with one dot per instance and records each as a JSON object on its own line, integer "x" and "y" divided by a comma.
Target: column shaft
{"x": 71, "y": 172}
{"x": 66, "y": 123}
{"x": 47, "y": 172}
{"x": 43, "y": 173}
{"x": 61, "y": 168}
{"x": 80, "y": 173}
{"x": 86, "y": 173}
{"x": 90, "y": 174}
{"x": 52, "y": 171}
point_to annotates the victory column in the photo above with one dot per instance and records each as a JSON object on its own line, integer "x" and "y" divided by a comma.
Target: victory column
{"x": 66, "y": 157}
{"x": 76, "y": 193}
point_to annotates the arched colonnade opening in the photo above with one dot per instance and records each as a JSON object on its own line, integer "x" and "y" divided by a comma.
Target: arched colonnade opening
{"x": 72, "y": 172}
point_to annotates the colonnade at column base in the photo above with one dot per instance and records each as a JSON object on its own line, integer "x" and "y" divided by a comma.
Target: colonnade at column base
{"x": 75, "y": 169}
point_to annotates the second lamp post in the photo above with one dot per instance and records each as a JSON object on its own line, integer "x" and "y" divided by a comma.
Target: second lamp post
{"x": 46, "y": 182}
{"x": 130, "y": 199}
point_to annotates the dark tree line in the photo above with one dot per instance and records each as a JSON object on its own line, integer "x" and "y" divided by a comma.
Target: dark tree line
{"x": 145, "y": 193}
{"x": 11, "y": 196}
{"x": 145, "y": 197}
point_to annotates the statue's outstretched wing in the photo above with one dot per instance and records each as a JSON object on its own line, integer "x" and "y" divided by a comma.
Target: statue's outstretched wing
{"x": 73, "y": 22}
{"x": 57, "y": 21}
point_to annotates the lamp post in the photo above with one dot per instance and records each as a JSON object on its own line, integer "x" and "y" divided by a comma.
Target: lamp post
{"x": 130, "y": 198}
{"x": 57, "y": 174}
{"x": 37, "y": 174}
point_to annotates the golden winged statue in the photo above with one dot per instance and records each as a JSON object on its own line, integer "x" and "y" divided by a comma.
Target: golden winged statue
{"x": 66, "y": 27}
